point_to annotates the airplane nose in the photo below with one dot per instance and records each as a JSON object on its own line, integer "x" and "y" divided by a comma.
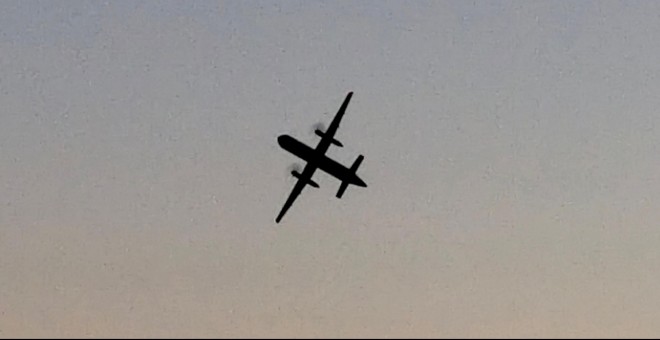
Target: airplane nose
{"x": 281, "y": 139}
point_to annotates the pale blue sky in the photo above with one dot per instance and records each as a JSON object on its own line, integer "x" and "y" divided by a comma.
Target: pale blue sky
{"x": 510, "y": 151}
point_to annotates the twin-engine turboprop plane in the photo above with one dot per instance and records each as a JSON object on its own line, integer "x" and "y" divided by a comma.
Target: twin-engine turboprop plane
{"x": 316, "y": 159}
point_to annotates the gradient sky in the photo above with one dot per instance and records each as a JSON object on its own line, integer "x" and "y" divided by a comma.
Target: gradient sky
{"x": 511, "y": 153}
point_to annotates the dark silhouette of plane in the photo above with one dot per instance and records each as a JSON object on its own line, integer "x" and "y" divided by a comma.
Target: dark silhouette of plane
{"x": 316, "y": 159}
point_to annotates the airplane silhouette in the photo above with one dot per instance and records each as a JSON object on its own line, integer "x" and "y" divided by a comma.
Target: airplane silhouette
{"x": 316, "y": 159}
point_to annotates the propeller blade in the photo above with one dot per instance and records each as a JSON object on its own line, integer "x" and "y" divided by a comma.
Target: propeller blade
{"x": 293, "y": 167}
{"x": 317, "y": 126}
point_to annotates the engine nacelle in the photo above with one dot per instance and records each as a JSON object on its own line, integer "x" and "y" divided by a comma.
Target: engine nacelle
{"x": 296, "y": 174}
{"x": 333, "y": 141}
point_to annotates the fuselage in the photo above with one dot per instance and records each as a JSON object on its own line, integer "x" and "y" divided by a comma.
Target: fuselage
{"x": 317, "y": 159}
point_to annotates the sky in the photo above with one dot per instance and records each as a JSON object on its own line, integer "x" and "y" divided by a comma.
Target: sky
{"x": 511, "y": 157}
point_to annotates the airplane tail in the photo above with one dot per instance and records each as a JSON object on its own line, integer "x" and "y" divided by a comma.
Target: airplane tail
{"x": 354, "y": 168}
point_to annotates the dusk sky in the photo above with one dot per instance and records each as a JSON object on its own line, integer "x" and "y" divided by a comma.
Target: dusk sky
{"x": 512, "y": 156}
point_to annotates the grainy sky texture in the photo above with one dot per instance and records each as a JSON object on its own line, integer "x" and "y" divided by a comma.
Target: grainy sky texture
{"x": 511, "y": 153}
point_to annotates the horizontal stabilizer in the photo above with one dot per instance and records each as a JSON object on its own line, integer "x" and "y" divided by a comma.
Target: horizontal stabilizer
{"x": 342, "y": 188}
{"x": 356, "y": 181}
{"x": 357, "y": 163}
{"x": 296, "y": 174}
{"x": 333, "y": 141}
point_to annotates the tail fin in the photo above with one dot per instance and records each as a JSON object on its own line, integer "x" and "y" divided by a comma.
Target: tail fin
{"x": 344, "y": 184}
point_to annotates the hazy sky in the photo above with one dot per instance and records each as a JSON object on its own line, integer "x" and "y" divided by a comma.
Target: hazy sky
{"x": 511, "y": 153}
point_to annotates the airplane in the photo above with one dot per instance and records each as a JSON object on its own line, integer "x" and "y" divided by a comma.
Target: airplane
{"x": 316, "y": 159}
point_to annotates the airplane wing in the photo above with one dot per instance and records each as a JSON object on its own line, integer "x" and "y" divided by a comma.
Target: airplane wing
{"x": 329, "y": 134}
{"x": 304, "y": 179}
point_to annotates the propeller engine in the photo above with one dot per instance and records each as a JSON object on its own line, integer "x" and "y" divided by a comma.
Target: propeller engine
{"x": 294, "y": 169}
{"x": 318, "y": 128}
